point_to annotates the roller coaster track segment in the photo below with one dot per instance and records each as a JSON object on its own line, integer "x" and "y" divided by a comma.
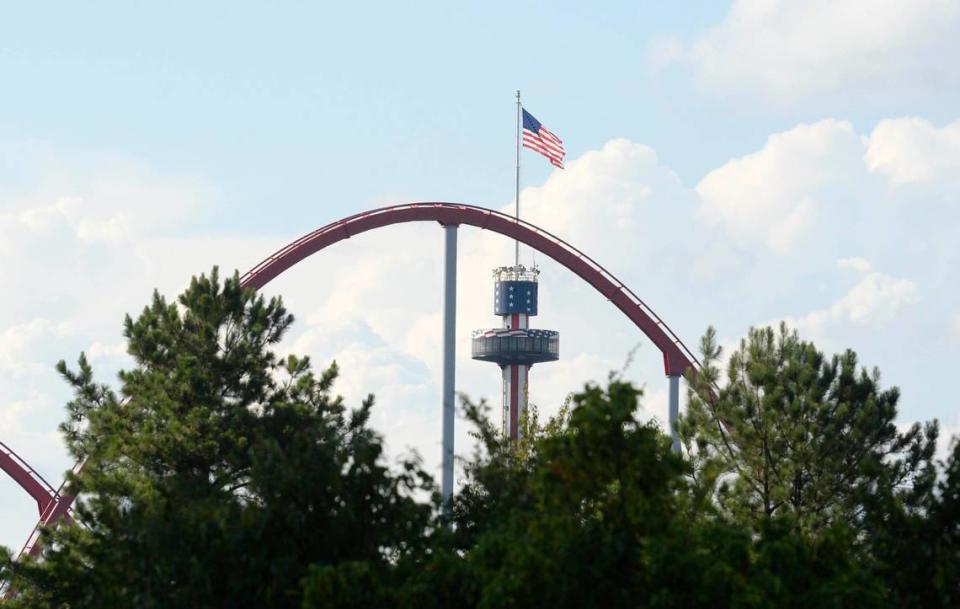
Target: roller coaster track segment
{"x": 676, "y": 356}
{"x": 28, "y": 478}
{"x": 61, "y": 507}
{"x": 48, "y": 500}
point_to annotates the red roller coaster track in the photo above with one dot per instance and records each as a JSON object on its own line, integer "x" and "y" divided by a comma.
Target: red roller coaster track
{"x": 53, "y": 504}
{"x": 676, "y": 356}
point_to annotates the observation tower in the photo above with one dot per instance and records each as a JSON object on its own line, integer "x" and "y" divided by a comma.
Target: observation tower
{"x": 515, "y": 347}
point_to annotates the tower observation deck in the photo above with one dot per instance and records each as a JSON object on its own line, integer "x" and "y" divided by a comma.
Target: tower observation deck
{"x": 515, "y": 347}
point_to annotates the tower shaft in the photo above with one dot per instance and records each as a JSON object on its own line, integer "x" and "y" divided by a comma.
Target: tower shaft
{"x": 515, "y": 376}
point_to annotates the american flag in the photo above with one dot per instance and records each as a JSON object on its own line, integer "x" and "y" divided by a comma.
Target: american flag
{"x": 536, "y": 137}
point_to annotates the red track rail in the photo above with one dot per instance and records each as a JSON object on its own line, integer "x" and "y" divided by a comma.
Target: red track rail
{"x": 676, "y": 356}
{"x": 27, "y": 477}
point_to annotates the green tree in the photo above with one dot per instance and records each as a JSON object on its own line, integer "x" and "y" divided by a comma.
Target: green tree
{"x": 917, "y": 552}
{"x": 219, "y": 475}
{"x": 219, "y": 472}
{"x": 596, "y": 512}
{"x": 791, "y": 432}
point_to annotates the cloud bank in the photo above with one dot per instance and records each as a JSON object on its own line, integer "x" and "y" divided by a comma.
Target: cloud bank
{"x": 788, "y": 53}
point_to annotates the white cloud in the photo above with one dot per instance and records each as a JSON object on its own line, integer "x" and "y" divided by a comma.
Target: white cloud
{"x": 912, "y": 150}
{"x": 789, "y": 52}
{"x": 115, "y": 201}
{"x": 19, "y": 342}
{"x": 776, "y": 196}
{"x": 856, "y": 263}
{"x": 875, "y": 300}
{"x": 368, "y": 361}
{"x": 949, "y": 436}
{"x": 664, "y": 51}
{"x": 99, "y": 350}
{"x": 618, "y": 194}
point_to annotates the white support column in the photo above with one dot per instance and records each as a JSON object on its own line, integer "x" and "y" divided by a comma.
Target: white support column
{"x": 674, "y": 411}
{"x": 449, "y": 358}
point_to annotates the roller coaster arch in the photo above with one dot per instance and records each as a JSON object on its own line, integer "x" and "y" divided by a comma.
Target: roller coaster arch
{"x": 676, "y": 356}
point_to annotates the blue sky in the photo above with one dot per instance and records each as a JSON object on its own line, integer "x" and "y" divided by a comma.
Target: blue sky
{"x": 736, "y": 163}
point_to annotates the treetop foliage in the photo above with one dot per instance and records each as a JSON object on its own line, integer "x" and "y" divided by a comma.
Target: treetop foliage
{"x": 791, "y": 431}
{"x": 219, "y": 474}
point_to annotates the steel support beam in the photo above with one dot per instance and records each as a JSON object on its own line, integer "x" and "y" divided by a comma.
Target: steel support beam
{"x": 674, "y": 411}
{"x": 449, "y": 357}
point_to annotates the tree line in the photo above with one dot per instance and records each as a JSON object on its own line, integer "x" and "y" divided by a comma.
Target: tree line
{"x": 219, "y": 474}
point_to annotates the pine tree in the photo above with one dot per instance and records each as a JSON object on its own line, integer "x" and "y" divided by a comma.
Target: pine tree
{"x": 218, "y": 473}
{"x": 791, "y": 432}
{"x": 917, "y": 552}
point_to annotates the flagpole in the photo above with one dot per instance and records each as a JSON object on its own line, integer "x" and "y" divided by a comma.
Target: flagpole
{"x": 516, "y": 244}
